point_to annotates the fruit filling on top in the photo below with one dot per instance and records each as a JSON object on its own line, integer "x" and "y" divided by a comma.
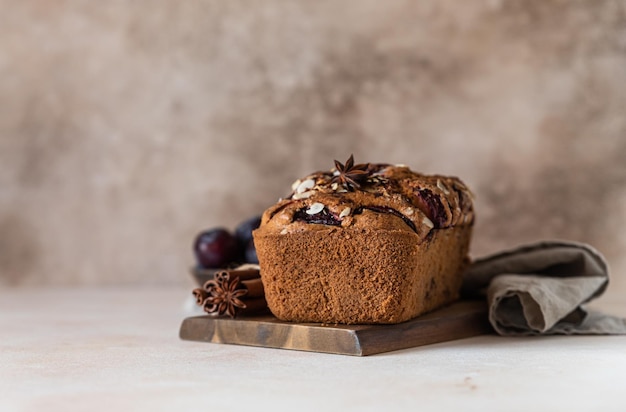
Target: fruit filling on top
{"x": 348, "y": 192}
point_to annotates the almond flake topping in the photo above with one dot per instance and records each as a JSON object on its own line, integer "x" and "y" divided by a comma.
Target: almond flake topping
{"x": 443, "y": 187}
{"x": 315, "y": 208}
{"x": 295, "y": 184}
{"x": 306, "y": 185}
{"x": 345, "y": 212}
{"x": 304, "y": 195}
{"x": 426, "y": 221}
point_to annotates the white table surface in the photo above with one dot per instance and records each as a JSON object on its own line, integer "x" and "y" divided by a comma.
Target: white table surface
{"x": 114, "y": 349}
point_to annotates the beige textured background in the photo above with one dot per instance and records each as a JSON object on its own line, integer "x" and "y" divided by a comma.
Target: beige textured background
{"x": 126, "y": 127}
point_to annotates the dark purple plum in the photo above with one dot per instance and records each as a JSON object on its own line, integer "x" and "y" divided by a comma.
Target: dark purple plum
{"x": 250, "y": 253}
{"x": 322, "y": 218}
{"x": 243, "y": 232}
{"x": 432, "y": 207}
{"x": 215, "y": 248}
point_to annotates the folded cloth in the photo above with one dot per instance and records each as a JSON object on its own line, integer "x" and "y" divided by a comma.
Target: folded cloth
{"x": 540, "y": 289}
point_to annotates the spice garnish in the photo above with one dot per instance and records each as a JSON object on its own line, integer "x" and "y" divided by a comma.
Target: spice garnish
{"x": 224, "y": 295}
{"x": 350, "y": 175}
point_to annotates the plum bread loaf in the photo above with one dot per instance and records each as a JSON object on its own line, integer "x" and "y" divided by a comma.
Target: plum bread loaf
{"x": 366, "y": 243}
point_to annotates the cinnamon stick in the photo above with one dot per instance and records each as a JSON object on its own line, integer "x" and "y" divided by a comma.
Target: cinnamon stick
{"x": 254, "y": 287}
{"x": 200, "y": 295}
{"x": 254, "y": 306}
{"x": 248, "y": 279}
{"x": 242, "y": 274}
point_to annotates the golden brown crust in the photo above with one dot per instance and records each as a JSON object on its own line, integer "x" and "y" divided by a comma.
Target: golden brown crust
{"x": 394, "y": 187}
{"x": 383, "y": 253}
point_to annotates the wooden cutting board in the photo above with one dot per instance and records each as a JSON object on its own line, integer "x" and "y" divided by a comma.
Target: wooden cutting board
{"x": 459, "y": 320}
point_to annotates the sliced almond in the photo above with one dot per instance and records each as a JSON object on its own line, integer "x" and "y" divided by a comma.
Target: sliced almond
{"x": 304, "y": 195}
{"x": 315, "y": 208}
{"x": 426, "y": 221}
{"x": 443, "y": 187}
{"x": 306, "y": 185}
{"x": 295, "y": 184}
{"x": 345, "y": 212}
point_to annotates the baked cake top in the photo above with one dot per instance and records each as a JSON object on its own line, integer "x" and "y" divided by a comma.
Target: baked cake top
{"x": 372, "y": 196}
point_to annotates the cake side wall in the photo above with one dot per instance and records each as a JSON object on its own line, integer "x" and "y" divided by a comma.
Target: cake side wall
{"x": 359, "y": 276}
{"x": 442, "y": 265}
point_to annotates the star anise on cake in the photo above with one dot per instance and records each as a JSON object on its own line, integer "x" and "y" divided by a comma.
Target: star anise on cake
{"x": 349, "y": 175}
{"x": 223, "y": 295}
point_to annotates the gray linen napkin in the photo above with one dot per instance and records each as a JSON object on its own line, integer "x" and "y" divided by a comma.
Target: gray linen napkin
{"x": 540, "y": 288}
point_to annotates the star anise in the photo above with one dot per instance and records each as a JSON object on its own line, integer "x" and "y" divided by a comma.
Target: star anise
{"x": 350, "y": 175}
{"x": 224, "y": 295}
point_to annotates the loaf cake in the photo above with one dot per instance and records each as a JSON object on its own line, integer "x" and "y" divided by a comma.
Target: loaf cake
{"x": 366, "y": 243}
